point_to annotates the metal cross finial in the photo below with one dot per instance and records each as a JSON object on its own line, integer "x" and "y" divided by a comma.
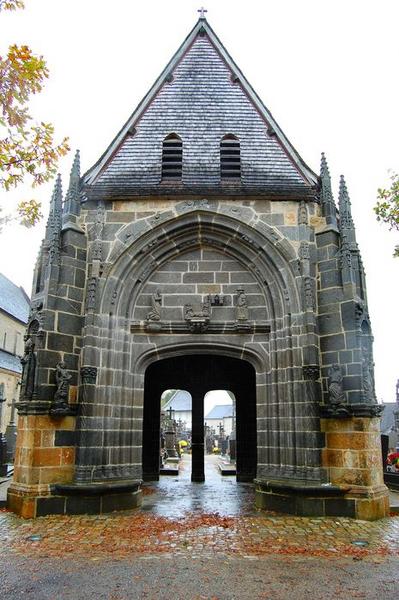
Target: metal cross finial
{"x": 202, "y": 12}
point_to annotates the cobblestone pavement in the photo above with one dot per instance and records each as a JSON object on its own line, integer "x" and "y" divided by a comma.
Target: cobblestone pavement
{"x": 186, "y": 524}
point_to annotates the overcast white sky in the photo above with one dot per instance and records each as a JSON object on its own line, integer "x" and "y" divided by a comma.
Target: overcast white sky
{"x": 327, "y": 70}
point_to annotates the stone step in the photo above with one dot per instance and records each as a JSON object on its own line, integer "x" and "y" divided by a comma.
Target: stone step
{"x": 4, "y": 484}
{"x": 227, "y": 468}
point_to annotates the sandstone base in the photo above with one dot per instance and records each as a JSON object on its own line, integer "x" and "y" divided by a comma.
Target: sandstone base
{"x": 76, "y": 499}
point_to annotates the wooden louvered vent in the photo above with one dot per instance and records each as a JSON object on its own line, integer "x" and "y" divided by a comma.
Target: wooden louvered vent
{"x": 172, "y": 157}
{"x": 230, "y": 161}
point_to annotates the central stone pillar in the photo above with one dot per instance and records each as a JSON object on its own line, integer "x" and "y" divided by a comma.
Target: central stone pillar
{"x": 197, "y": 437}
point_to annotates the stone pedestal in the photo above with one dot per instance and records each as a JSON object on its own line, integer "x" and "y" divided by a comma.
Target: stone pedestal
{"x": 353, "y": 460}
{"x": 44, "y": 471}
{"x": 44, "y": 455}
{"x": 355, "y": 487}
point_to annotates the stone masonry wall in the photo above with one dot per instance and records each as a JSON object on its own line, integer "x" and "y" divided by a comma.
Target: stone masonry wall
{"x": 140, "y": 255}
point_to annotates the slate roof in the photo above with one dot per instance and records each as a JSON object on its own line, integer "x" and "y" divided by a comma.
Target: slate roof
{"x": 219, "y": 411}
{"x": 201, "y": 95}
{"x": 10, "y": 362}
{"x": 180, "y": 401}
{"x": 13, "y": 300}
{"x": 387, "y": 417}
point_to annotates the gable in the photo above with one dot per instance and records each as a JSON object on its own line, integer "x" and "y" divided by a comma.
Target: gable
{"x": 201, "y": 97}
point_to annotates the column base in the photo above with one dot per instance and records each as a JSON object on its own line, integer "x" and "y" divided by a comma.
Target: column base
{"x": 76, "y": 499}
{"x": 302, "y": 499}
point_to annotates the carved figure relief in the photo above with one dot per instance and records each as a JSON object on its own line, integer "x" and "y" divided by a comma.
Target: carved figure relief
{"x": 198, "y": 317}
{"x": 28, "y": 362}
{"x": 335, "y": 387}
{"x": 241, "y": 306}
{"x": 368, "y": 383}
{"x": 60, "y": 403}
{"x": 367, "y": 359}
{"x": 156, "y": 303}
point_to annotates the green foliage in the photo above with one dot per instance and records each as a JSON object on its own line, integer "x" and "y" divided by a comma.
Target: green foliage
{"x": 29, "y": 212}
{"x": 387, "y": 207}
{"x": 11, "y": 4}
{"x": 27, "y": 148}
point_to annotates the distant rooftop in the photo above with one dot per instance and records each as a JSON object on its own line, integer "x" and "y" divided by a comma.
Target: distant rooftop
{"x": 13, "y": 300}
{"x": 181, "y": 400}
{"x": 220, "y": 411}
{"x": 10, "y": 362}
{"x": 387, "y": 417}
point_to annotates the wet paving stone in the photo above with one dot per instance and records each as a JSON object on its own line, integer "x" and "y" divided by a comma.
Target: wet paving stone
{"x": 214, "y": 518}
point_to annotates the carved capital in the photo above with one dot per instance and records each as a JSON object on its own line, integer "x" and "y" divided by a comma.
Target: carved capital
{"x": 311, "y": 372}
{"x": 346, "y": 411}
{"x": 88, "y": 375}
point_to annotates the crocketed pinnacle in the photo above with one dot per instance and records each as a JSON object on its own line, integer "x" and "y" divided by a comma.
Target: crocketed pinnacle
{"x": 345, "y": 210}
{"x": 55, "y": 213}
{"x": 72, "y": 202}
{"x": 326, "y": 195}
{"x": 72, "y": 199}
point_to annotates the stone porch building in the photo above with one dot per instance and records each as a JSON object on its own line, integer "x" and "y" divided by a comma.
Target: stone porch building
{"x": 199, "y": 253}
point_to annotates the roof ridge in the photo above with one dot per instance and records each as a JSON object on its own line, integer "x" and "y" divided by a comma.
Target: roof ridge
{"x": 202, "y": 25}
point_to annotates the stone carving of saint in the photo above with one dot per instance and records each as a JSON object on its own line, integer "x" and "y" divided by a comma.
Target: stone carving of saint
{"x": 156, "y": 303}
{"x": 335, "y": 387}
{"x": 28, "y": 362}
{"x": 61, "y": 396}
{"x": 242, "y": 306}
{"x": 368, "y": 380}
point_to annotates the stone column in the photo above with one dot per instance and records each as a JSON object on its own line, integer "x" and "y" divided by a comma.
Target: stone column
{"x": 197, "y": 443}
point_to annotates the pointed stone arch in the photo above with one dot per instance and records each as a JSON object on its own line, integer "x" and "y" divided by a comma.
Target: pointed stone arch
{"x": 289, "y": 440}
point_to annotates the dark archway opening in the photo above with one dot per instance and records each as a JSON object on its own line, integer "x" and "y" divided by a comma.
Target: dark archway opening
{"x": 198, "y": 374}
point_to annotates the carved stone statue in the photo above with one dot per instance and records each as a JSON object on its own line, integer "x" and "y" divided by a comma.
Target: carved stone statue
{"x": 62, "y": 377}
{"x": 156, "y": 303}
{"x": 368, "y": 379}
{"x": 335, "y": 388}
{"x": 241, "y": 306}
{"x": 28, "y": 362}
{"x": 198, "y": 316}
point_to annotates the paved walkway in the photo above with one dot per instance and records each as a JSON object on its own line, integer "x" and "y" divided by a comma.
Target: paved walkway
{"x": 200, "y": 541}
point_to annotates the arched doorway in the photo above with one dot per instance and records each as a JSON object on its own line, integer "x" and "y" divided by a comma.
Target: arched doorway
{"x": 198, "y": 374}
